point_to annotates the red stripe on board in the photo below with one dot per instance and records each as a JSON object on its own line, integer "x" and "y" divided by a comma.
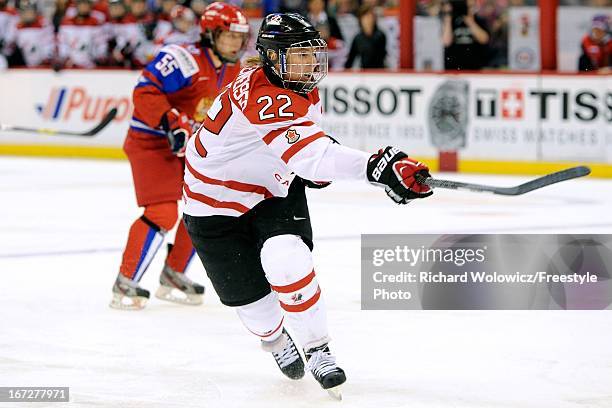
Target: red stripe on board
{"x": 293, "y": 150}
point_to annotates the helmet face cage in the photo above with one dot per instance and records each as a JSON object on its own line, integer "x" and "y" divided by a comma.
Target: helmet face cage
{"x": 303, "y": 65}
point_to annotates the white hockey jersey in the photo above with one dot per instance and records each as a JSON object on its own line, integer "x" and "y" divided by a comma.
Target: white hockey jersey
{"x": 177, "y": 37}
{"x": 256, "y": 138}
{"x": 130, "y": 34}
{"x": 36, "y": 42}
{"x": 8, "y": 30}
{"x": 82, "y": 42}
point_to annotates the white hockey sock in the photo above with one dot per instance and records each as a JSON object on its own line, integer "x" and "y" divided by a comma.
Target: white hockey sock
{"x": 287, "y": 262}
{"x": 263, "y": 318}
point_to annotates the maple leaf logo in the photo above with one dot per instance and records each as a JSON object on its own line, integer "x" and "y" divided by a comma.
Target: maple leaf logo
{"x": 292, "y": 136}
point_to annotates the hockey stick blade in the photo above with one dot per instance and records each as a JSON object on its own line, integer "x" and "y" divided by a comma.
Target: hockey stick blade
{"x": 108, "y": 118}
{"x": 547, "y": 180}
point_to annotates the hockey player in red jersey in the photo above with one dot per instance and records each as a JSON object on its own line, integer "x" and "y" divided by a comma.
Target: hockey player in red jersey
{"x": 172, "y": 96}
{"x": 246, "y": 212}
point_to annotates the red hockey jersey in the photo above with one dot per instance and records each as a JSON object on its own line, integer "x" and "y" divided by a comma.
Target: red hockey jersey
{"x": 181, "y": 77}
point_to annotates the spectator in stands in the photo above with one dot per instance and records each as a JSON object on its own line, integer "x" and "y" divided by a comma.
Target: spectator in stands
{"x": 428, "y": 8}
{"x": 370, "y": 45}
{"x": 116, "y": 31}
{"x": 346, "y": 7}
{"x": 99, "y": 10}
{"x": 185, "y": 29}
{"x": 600, "y": 3}
{"x": 496, "y": 18}
{"x": 198, "y": 7}
{"x": 328, "y": 27}
{"x": 465, "y": 36}
{"x": 8, "y": 30}
{"x": 293, "y": 6}
{"x": 138, "y": 34}
{"x": 164, "y": 20}
{"x": 597, "y": 47}
{"x": 34, "y": 39}
{"x": 321, "y": 20}
{"x": 82, "y": 43}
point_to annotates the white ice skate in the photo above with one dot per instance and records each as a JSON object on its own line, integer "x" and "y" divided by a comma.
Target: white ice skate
{"x": 178, "y": 288}
{"x": 322, "y": 364}
{"x": 127, "y": 295}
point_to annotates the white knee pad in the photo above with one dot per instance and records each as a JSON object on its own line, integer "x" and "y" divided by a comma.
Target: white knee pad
{"x": 287, "y": 262}
{"x": 264, "y": 317}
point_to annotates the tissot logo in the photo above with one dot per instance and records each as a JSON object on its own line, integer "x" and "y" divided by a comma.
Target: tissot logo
{"x": 512, "y": 104}
{"x": 505, "y": 103}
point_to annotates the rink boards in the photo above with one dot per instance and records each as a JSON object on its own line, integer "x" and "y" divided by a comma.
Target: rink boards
{"x": 511, "y": 123}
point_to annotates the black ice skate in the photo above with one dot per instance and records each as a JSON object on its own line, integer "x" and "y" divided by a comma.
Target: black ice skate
{"x": 177, "y": 287}
{"x": 127, "y": 295}
{"x": 322, "y": 364}
{"x": 286, "y": 355}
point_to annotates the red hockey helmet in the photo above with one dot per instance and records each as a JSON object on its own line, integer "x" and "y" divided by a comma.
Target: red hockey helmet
{"x": 219, "y": 17}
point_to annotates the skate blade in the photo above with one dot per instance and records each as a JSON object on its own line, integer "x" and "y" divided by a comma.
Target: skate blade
{"x": 177, "y": 296}
{"x": 335, "y": 393}
{"x": 123, "y": 302}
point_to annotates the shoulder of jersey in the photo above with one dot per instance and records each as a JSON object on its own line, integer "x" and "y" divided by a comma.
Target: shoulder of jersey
{"x": 128, "y": 19}
{"x": 186, "y": 57}
{"x": 39, "y": 23}
{"x": 10, "y": 11}
{"x": 74, "y": 21}
{"x": 265, "y": 99}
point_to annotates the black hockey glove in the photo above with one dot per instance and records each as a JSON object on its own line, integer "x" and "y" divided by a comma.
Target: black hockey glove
{"x": 395, "y": 171}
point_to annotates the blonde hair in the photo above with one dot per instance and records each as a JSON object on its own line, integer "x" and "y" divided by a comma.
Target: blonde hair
{"x": 252, "y": 61}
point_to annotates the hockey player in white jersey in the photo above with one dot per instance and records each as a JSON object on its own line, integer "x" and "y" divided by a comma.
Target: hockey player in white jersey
{"x": 34, "y": 38}
{"x": 246, "y": 210}
{"x": 81, "y": 40}
{"x": 184, "y": 27}
{"x": 8, "y": 30}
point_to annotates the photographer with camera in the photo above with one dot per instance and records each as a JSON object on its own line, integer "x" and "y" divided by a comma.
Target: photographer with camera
{"x": 465, "y": 36}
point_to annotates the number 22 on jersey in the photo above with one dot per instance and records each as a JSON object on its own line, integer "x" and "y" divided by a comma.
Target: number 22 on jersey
{"x": 221, "y": 110}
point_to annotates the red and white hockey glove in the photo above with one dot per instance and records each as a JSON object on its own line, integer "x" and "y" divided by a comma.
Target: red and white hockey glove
{"x": 179, "y": 127}
{"x": 395, "y": 171}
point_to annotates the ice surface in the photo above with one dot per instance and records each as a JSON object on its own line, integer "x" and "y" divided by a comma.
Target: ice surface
{"x": 62, "y": 227}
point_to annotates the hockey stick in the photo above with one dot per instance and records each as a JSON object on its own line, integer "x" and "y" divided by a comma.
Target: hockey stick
{"x": 54, "y": 132}
{"x": 534, "y": 184}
